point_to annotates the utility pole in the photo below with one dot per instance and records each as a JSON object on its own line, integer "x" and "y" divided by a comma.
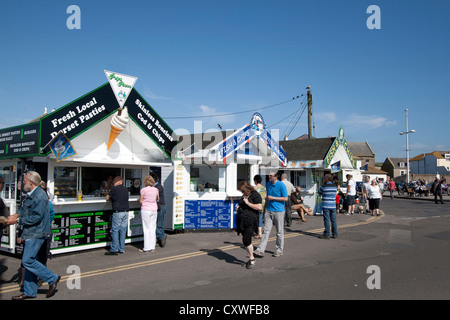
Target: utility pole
{"x": 309, "y": 113}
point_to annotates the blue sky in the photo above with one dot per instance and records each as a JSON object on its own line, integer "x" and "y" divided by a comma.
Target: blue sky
{"x": 211, "y": 57}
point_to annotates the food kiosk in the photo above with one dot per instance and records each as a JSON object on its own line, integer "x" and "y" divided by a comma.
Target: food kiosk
{"x": 109, "y": 131}
{"x": 209, "y": 167}
{"x": 311, "y": 159}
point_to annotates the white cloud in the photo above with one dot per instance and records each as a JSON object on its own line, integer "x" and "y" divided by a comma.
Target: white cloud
{"x": 151, "y": 95}
{"x": 214, "y": 119}
{"x": 358, "y": 121}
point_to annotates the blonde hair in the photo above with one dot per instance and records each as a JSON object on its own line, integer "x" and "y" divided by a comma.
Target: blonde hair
{"x": 149, "y": 181}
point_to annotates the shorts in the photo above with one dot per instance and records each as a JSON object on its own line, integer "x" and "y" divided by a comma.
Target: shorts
{"x": 350, "y": 200}
{"x": 374, "y": 204}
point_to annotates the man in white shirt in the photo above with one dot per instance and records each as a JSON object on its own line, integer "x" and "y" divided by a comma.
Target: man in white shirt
{"x": 351, "y": 194}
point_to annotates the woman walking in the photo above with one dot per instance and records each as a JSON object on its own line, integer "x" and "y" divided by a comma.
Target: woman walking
{"x": 149, "y": 212}
{"x": 247, "y": 218}
{"x": 374, "y": 194}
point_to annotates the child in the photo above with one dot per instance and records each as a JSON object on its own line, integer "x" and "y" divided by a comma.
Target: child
{"x": 338, "y": 202}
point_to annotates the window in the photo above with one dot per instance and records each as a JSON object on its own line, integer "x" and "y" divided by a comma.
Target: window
{"x": 9, "y": 188}
{"x": 207, "y": 178}
{"x": 133, "y": 181}
{"x": 93, "y": 181}
{"x": 65, "y": 182}
{"x": 298, "y": 178}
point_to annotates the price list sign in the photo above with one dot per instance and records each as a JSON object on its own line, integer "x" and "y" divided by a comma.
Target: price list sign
{"x": 81, "y": 228}
{"x": 207, "y": 214}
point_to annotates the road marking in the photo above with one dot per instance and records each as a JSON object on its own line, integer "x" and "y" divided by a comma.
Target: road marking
{"x": 194, "y": 254}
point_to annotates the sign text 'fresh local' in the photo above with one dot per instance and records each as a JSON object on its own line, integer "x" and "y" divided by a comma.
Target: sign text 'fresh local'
{"x": 74, "y": 118}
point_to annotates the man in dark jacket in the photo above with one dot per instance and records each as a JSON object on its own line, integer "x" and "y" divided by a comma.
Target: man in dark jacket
{"x": 437, "y": 190}
{"x": 34, "y": 216}
{"x": 161, "y": 238}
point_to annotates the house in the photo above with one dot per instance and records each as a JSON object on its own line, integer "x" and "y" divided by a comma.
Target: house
{"x": 431, "y": 163}
{"x": 395, "y": 168}
{"x": 363, "y": 152}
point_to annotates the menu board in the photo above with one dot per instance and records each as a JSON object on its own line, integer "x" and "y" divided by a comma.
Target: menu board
{"x": 207, "y": 214}
{"x": 83, "y": 228}
{"x": 19, "y": 141}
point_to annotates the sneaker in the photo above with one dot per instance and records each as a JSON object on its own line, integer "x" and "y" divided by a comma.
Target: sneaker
{"x": 324, "y": 237}
{"x": 258, "y": 253}
{"x": 277, "y": 254}
{"x": 334, "y": 236}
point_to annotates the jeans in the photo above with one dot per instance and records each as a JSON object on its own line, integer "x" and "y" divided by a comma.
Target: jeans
{"x": 273, "y": 218}
{"x": 329, "y": 214}
{"x": 119, "y": 231}
{"x": 33, "y": 268}
{"x": 160, "y": 223}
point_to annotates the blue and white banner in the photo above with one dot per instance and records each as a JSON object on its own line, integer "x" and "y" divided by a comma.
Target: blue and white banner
{"x": 256, "y": 128}
{"x": 233, "y": 142}
{"x": 274, "y": 146}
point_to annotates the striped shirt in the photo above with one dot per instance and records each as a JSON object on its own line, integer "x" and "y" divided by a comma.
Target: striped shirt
{"x": 328, "y": 193}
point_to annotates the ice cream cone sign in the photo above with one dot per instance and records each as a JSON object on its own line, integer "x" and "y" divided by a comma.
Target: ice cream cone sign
{"x": 118, "y": 123}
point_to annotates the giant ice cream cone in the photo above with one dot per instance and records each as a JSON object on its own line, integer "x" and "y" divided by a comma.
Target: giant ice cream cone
{"x": 118, "y": 124}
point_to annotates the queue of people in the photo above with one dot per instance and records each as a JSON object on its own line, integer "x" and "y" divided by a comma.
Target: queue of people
{"x": 35, "y": 215}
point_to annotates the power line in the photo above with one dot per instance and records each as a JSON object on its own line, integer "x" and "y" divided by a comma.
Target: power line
{"x": 293, "y": 119}
{"x": 232, "y": 113}
{"x": 304, "y": 108}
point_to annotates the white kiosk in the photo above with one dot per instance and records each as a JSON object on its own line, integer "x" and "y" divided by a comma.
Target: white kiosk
{"x": 75, "y": 149}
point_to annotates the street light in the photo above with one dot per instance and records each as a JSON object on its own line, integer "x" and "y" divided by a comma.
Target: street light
{"x": 407, "y": 145}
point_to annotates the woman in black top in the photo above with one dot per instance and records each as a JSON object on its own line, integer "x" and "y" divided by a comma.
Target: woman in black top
{"x": 247, "y": 218}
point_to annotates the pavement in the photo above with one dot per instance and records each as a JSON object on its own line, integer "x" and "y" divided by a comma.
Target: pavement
{"x": 406, "y": 241}
{"x": 181, "y": 248}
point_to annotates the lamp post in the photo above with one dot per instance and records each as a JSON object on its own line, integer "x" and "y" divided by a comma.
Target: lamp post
{"x": 407, "y": 145}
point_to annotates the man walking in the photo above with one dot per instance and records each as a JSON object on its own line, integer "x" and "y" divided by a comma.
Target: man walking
{"x": 34, "y": 216}
{"x": 391, "y": 187}
{"x": 273, "y": 215}
{"x": 119, "y": 198}
{"x": 328, "y": 192}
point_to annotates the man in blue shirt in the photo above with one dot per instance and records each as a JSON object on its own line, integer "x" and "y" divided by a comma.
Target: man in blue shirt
{"x": 328, "y": 192}
{"x": 273, "y": 215}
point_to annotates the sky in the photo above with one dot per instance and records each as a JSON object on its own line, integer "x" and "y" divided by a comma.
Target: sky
{"x": 197, "y": 60}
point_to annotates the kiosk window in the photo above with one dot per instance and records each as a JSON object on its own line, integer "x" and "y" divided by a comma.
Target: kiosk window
{"x": 7, "y": 173}
{"x": 94, "y": 180}
{"x": 299, "y": 178}
{"x": 133, "y": 181}
{"x": 207, "y": 178}
{"x": 65, "y": 182}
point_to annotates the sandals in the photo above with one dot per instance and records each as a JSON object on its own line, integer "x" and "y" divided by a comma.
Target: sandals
{"x": 249, "y": 264}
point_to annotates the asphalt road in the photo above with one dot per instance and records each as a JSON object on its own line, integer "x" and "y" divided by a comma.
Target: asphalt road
{"x": 403, "y": 254}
